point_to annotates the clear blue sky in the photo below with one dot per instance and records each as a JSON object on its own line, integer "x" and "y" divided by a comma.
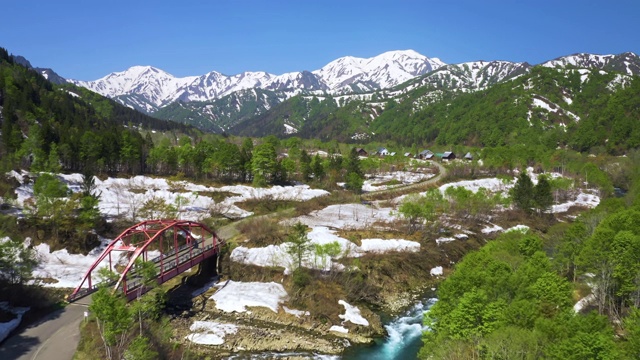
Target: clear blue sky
{"x": 86, "y": 40}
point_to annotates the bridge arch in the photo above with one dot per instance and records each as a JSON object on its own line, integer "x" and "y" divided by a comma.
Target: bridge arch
{"x": 173, "y": 245}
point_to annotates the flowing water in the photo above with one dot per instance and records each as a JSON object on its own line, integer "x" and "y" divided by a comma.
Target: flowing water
{"x": 401, "y": 343}
{"x": 403, "y": 337}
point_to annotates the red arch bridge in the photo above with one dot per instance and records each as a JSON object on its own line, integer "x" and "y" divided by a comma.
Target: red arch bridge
{"x": 172, "y": 245}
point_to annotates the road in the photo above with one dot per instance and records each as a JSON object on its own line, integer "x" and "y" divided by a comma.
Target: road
{"x": 54, "y": 337}
{"x": 373, "y": 195}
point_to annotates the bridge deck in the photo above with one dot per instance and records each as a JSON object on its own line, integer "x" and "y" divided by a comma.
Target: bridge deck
{"x": 170, "y": 263}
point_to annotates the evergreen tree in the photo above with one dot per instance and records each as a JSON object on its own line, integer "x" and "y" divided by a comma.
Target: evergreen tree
{"x": 522, "y": 193}
{"x": 542, "y": 195}
{"x": 299, "y": 245}
{"x": 318, "y": 168}
{"x": 305, "y": 165}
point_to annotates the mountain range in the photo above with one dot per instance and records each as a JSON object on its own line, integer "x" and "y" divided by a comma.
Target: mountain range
{"x": 258, "y": 103}
{"x": 148, "y": 89}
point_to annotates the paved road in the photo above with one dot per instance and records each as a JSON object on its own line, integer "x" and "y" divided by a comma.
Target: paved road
{"x": 54, "y": 337}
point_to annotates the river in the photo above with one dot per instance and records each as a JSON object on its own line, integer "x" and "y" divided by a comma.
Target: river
{"x": 402, "y": 340}
{"x": 401, "y": 343}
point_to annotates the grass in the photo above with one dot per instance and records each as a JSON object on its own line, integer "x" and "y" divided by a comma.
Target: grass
{"x": 262, "y": 231}
{"x": 266, "y": 205}
{"x": 217, "y": 196}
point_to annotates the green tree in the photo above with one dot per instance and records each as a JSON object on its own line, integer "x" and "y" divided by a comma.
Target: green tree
{"x": 542, "y": 195}
{"x": 52, "y": 207}
{"x": 305, "y": 166}
{"x": 325, "y": 252}
{"x": 354, "y": 182}
{"x": 318, "y": 168}
{"x": 17, "y": 261}
{"x": 352, "y": 164}
{"x": 150, "y": 305}
{"x": 522, "y": 193}
{"x": 298, "y": 244}
{"x": 140, "y": 349}
{"x": 263, "y": 164}
{"x": 113, "y": 319}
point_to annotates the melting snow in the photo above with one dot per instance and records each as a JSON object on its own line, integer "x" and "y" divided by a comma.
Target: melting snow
{"x": 404, "y": 177}
{"x": 296, "y": 313}
{"x": 352, "y": 314}
{"x": 235, "y": 296}
{"x": 210, "y": 332}
{"x": 67, "y": 269}
{"x": 276, "y": 255}
{"x": 340, "y": 329}
{"x": 9, "y": 326}
{"x": 519, "y": 228}
{"x": 494, "y": 228}
{"x": 124, "y": 197}
{"x": 348, "y": 216}
{"x": 437, "y": 271}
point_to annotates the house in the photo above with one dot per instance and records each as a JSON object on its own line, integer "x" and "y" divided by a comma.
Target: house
{"x": 448, "y": 155}
{"x": 468, "y": 156}
{"x": 392, "y": 153}
{"x": 382, "y": 151}
{"x": 362, "y": 152}
{"x": 408, "y": 154}
{"x": 424, "y": 153}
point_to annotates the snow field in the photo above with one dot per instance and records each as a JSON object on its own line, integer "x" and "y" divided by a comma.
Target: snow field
{"x": 235, "y": 296}
{"x": 276, "y": 255}
{"x": 347, "y": 217}
{"x": 124, "y": 197}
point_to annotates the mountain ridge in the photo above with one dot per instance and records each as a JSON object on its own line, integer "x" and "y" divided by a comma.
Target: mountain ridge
{"x": 148, "y": 88}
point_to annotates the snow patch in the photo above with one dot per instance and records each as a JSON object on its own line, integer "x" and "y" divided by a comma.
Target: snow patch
{"x": 235, "y": 296}
{"x": 352, "y": 314}
{"x": 437, "y": 271}
{"x": 340, "y": 329}
{"x": 210, "y": 332}
{"x": 296, "y": 313}
{"x": 7, "y": 327}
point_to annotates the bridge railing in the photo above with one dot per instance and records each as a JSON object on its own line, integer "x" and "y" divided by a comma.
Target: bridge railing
{"x": 134, "y": 282}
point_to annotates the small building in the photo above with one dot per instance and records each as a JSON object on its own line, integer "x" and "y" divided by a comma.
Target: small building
{"x": 382, "y": 151}
{"x": 392, "y": 153}
{"x": 448, "y": 155}
{"x": 408, "y": 154}
{"x": 362, "y": 152}
{"x": 468, "y": 156}
{"x": 424, "y": 153}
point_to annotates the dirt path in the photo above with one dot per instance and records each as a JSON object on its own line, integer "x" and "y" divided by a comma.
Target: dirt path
{"x": 397, "y": 191}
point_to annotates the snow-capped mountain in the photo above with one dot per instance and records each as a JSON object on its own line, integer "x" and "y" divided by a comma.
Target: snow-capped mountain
{"x": 470, "y": 76}
{"x": 147, "y": 88}
{"x": 628, "y": 62}
{"x": 383, "y": 71}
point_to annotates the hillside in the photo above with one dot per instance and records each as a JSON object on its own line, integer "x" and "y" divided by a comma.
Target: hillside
{"x": 45, "y": 126}
{"x": 559, "y": 103}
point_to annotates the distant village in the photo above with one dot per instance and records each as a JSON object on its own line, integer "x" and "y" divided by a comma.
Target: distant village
{"x": 423, "y": 155}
